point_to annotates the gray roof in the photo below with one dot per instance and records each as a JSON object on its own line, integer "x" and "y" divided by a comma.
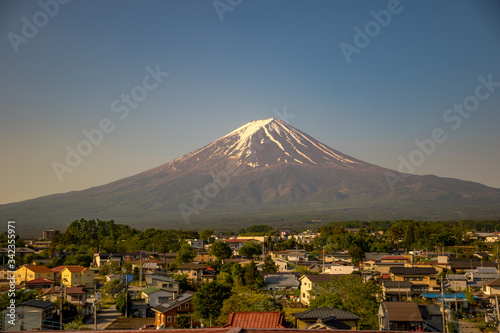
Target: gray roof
{"x": 325, "y": 312}
{"x": 183, "y": 298}
{"x": 413, "y": 270}
{"x": 456, "y": 277}
{"x": 284, "y": 280}
{"x": 333, "y": 323}
{"x": 396, "y": 284}
{"x": 37, "y": 304}
{"x": 166, "y": 278}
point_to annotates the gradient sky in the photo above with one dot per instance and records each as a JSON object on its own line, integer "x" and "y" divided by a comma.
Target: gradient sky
{"x": 263, "y": 55}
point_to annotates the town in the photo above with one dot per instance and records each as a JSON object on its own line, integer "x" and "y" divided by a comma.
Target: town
{"x": 397, "y": 276}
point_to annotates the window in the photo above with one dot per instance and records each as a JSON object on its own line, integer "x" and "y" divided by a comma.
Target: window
{"x": 169, "y": 319}
{"x": 186, "y": 305}
{"x": 194, "y": 273}
{"x": 179, "y": 307}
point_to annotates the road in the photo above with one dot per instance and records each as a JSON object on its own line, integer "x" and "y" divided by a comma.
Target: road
{"x": 105, "y": 318}
{"x": 468, "y": 327}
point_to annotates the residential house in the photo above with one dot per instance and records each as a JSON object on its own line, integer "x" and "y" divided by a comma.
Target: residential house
{"x": 236, "y": 244}
{"x": 329, "y": 317}
{"x": 385, "y": 267}
{"x": 395, "y": 291}
{"x": 5, "y": 272}
{"x": 197, "y": 244}
{"x": 257, "y": 319}
{"x": 74, "y": 295}
{"x": 166, "y": 314}
{"x": 204, "y": 257}
{"x": 338, "y": 268}
{"x": 29, "y": 273}
{"x": 29, "y": 316}
{"x": 310, "y": 281}
{"x": 75, "y": 276}
{"x": 194, "y": 272}
{"x": 400, "y": 316}
{"x": 458, "y": 282}
{"x": 282, "y": 264}
{"x": 402, "y": 259}
{"x": 47, "y": 234}
{"x": 42, "y": 245}
{"x": 281, "y": 282}
{"x": 297, "y": 255}
{"x": 39, "y": 284}
{"x": 156, "y": 296}
{"x": 101, "y": 259}
{"x": 481, "y": 274}
{"x": 163, "y": 281}
{"x": 20, "y": 251}
{"x": 422, "y": 279}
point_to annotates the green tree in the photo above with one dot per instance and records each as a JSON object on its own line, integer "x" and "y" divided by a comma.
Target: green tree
{"x": 76, "y": 325}
{"x": 183, "y": 281}
{"x": 112, "y": 287}
{"x": 208, "y": 300}
{"x": 356, "y": 254}
{"x": 185, "y": 254}
{"x": 250, "y": 249}
{"x": 252, "y": 277}
{"x": 350, "y": 293}
{"x": 220, "y": 250}
{"x": 206, "y": 234}
{"x": 183, "y": 321}
{"x": 269, "y": 266}
{"x": 244, "y": 299}
{"x": 124, "y": 303}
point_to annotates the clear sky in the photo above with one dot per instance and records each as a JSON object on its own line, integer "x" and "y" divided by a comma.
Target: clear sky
{"x": 69, "y": 68}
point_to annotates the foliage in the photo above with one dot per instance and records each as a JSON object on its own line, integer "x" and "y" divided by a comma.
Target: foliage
{"x": 21, "y": 296}
{"x": 79, "y": 259}
{"x": 76, "y": 325}
{"x": 356, "y": 254}
{"x": 183, "y": 281}
{"x": 68, "y": 310}
{"x": 124, "y": 303}
{"x": 206, "y": 234}
{"x": 220, "y": 250}
{"x": 269, "y": 266}
{"x": 112, "y": 287}
{"x": 208, "y": 300}
{"x": 350, "y": 293}
{"x": 250, "y": 249}
{"x": 244, "y": 299}
{"x": 183, "y": 321}
{"x": 252, "y": 277}
{"x": 304, "y": 270}
{"x": 185, "y": 254}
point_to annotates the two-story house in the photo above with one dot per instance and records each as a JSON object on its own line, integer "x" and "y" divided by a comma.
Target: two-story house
{"x": 423, "y": 279}
{"x": 156, "y": 296}
{"x": 30, "y": 316}
{"x": 166, "y": 314}
{"x": 163, "y": 281}
{"x": 308, "y": 282}
{"x": 194, "y": 272}
{"x": 29, "y": 273}
{"x": 74, "y": 276}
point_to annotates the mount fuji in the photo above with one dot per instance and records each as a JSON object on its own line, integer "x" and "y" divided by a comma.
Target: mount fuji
{"x": 266, "y": 171}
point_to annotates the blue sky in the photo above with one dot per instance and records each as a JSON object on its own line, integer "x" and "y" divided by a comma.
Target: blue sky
{"x": 263, "y": 55}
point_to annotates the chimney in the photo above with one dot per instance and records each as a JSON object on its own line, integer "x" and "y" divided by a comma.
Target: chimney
{"x": 174, "y": 295}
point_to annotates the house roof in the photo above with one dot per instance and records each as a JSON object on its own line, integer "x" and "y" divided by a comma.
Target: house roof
{"x": 325, "y": 312}
{"x": 237, "y": 240}
{"x": 40, "y": 281}
{"x": 456, "y": 277}
{"x": 39, "y": 269}
{"x": 331, "y": 323}
{"x": 284, "y": 280}
{"x": 403, "y": 311}
{"x": 192, "y": 265}
{"x": 413, "y": 270}
{"x": 59, "y": 269}
{"x": 492, "y": 283}
{"x": 76, "y": 269}
{"x": 68, "y": 291}
{"x": 256, "y": 319}
{"x": 396, "y": 284}
{"x": 37, "y": 304}
{"x": 161, "y": 276}
{"x": 183, "y": 298}
{"x": 394, "y": 258}
{"x": 320, "y": 277}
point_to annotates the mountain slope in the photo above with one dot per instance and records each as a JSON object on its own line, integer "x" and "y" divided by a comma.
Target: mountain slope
{"x": 264, "y": 168}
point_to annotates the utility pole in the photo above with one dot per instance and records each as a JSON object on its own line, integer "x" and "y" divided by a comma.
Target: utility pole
{"x": 140, "y": 271}
{"x": 61, "y": 309}
{"x": 95, "y": 307}
{"x": 442, "y": 306}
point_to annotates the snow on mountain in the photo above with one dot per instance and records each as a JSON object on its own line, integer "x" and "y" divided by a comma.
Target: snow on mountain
{"x": 264, "y": 143}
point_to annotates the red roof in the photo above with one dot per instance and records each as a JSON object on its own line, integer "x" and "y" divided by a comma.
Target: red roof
{"x": 59, "y": 269}
{"x": 256, "y": 319}
{"x": 237, "y": 240}
{"x": 76, "y": 269}
{"x": 39, "y": 269}
{"x": 394, "y": 258}
{"x": 40, "y": 281}
{"x": 69, "y": 291}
